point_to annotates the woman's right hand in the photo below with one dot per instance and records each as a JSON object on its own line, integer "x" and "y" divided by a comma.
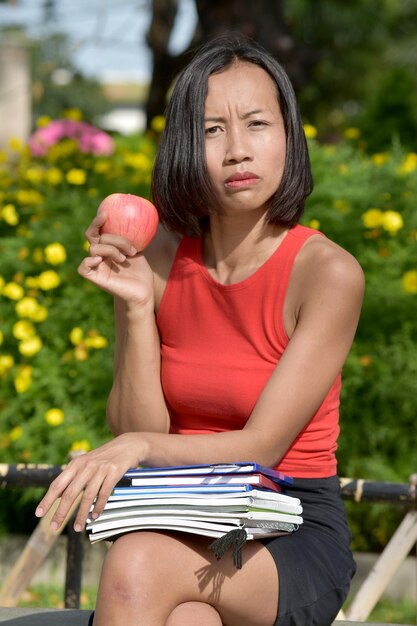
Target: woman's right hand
{"x": 115, "y": 266}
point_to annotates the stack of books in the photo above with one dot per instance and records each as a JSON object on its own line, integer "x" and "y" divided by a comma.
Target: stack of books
{"x": 210, "y": 500}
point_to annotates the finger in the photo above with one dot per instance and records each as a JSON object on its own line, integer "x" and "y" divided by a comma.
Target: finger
{"x": 93, "y": 231}
{"x": 88, "y": 264}
{"x": 69, "y": 497}
{"x": 55, "y": 490}
{"x": 105, "y": 492}
{"x": 108, "y": 252}
{"x": 122, "y": 243}
{"x": 87, "y": 500}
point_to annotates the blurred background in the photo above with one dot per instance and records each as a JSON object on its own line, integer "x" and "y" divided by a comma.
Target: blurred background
{"x": 83, "y": 89}
{"x": 351, "y": 63}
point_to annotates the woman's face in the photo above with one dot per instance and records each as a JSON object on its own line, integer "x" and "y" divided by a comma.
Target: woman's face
{"x": 245, "y": 138}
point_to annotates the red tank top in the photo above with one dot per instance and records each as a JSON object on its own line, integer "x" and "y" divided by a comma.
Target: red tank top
{"x": 220, "y": 343}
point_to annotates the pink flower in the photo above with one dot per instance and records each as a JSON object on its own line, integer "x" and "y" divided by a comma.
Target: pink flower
{"x": 89, "y": 138}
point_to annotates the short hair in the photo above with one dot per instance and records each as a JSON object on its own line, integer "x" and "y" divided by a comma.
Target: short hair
{"x": 181, "y": 188}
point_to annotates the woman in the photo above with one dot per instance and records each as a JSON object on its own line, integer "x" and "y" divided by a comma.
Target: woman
{"x": 230, "y": 343}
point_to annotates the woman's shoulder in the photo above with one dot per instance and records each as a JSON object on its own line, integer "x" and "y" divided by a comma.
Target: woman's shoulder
{"x": 321, "y": 261}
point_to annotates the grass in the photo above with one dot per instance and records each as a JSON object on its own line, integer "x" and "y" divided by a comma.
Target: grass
{"x": 47, "y": 596}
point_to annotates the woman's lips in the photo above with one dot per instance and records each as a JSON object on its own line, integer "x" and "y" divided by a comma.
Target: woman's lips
{"x": 241, "y": 179}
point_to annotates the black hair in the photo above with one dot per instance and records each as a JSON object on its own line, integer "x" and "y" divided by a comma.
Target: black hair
{"x": 181, "y": 188}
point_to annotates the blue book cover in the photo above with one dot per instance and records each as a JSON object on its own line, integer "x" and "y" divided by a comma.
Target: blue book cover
{"x": 214, "y": 469}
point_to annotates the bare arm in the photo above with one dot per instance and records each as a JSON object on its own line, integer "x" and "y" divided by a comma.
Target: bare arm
{"x": 136, "y": 400}
{"x": 331, "y": 291}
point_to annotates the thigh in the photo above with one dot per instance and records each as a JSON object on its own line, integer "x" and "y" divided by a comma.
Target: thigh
{"x": 160, "y": 571}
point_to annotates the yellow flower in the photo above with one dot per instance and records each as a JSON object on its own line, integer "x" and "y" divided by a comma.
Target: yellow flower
{"x": 102, "y": 166}
{"x": 310, "y": 131}
{"x": 9, "y": 215}
{"x": 314, "y": 224}
{"x": 138, "y": 161}
{"x": 73, "y": 114}
{"x": 54, "y": 176}
{"x": 13, "y": 291}
{"x": 48, "y": 280}
{"x": 43, "y": 121}
{"x": 34, "y": 175}
{"x": 373, "y": 218}
{"x": 392, "y": 222}
{"x": 83, "y": 445}
{"x": 2, "y": 283}
{"x": 28, "y": 196}
{"x": 54, "y": 417}
{"x": 80, "y": 352}
{"x": 30, "y": 346}
{"x": 380, "y": 158}
{"x": 23, "y": 379}
{"x": 76, "y": 336}
{"x": 41, "y": 314}
{"x": 409, "y": 164}
{"x": 16, "y": 433}
{"x": 158, "y": 123}
{"x": 6, "y": 363}
{"x": 97, "y": 342}
{"x": 352, "y": 133}
{"x": 27, "y": 307}
{"x": 23, "y": 329}
{"x": 92, "y": 193}
{"x": 343, "y": 169}
{"x": 55, "y": 253}
{"x": 32, "y": 282}
{"x": 409, "y": 281}
{"x": 76, "y": 176}
{"x": 16, "y": 144}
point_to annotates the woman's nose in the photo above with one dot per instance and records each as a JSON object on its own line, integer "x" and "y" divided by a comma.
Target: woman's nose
{"x": 237, "y": 147}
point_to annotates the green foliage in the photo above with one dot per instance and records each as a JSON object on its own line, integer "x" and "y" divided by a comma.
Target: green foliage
{"x": 366, "y": 204}
{"x": 56, "y": 367}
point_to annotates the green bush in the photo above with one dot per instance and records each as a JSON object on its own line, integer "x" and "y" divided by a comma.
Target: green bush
{"x": 57, "y": 329}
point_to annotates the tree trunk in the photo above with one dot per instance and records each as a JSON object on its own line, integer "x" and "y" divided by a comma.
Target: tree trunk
{"x": 263, "y": 21}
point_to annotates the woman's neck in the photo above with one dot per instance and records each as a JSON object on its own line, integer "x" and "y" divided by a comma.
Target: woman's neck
{"x": 234, "y": 248}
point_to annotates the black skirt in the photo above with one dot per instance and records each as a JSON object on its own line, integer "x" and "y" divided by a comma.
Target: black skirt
{"x": 315, "y": 564}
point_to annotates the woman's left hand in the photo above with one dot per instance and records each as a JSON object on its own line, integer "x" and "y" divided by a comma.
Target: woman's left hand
{"x": 94, "y": 473}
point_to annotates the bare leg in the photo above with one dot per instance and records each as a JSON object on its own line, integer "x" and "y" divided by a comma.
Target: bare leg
{"x": 193, "y": 613}
{"x": 147, "y": 575}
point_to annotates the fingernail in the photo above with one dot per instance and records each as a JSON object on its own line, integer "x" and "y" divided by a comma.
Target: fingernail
{"x": 94, "y": 515}
{"x": 133, "y": 251}
{"x": 54, "y": 525}
{"x": 122, "y": 258}
{"x": 39, "y": 511}
{"x": 78, "y": 528}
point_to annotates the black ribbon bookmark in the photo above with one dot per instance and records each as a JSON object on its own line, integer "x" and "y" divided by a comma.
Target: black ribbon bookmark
{"x": 235, "y": 539}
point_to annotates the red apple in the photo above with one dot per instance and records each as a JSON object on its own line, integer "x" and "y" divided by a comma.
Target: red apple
{"x": 130, "y": 216}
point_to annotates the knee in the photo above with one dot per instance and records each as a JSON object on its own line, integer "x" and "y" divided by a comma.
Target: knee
{"x": 190, "y": 613}
{"x": 129, "y": 567}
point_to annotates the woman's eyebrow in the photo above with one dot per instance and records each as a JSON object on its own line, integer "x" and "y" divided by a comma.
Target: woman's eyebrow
{"x": 243, "y": 117}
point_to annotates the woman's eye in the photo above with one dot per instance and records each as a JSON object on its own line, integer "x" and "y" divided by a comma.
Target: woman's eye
{"x": 212, "y": 130}
{"x": 258, "y": 123}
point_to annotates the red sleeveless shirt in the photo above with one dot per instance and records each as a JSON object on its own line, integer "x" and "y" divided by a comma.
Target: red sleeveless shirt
{"x": 220, "y": 343}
